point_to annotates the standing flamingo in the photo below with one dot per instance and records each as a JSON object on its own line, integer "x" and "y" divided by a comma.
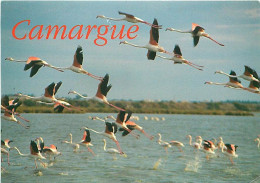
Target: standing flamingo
{"x": 196, "y": 145}
{"x": 249, "y": 74}
{"x": 77, "y": 64}
{"x": 110, "y": 130}
{"x": 35, "y": 63}
{"x": 178, "y": 59}
{"x": 129, "y": 18}
{"x": 231, "y": 151}
{"x": 164, "y": 144}
{"x": 73, "y": 145}
{"x": 103, "y": 89}
{"x": 86, "y": 140}
{"x": 233, "y": 82}
{"x": 110, "y": 150}
{"x": 153, "y": 45}
{"x": 196, "y": 31}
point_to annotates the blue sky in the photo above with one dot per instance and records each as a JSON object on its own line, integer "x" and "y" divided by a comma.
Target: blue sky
{"x": 235, "y": 24}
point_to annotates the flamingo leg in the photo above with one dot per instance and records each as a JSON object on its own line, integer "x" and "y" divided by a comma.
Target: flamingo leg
{"x": 36, "y": 167}
{"x": 90, "y": 150}
{"x": 8, "y": 159}
{"x": 118, "y": 147}
{"x": 231, "y": 160}
{"x": 19, "y": 116}
{"x": 118, "y": 108}
{"x": 20, "y": 123}
{"x": 56, "y": 68}
{"x": 166, "y": 150}
{"x": 147, "y": 135}
{"x": 132, "y": 133}
{"x": 95, "y": 77}
{"x": 215, "y": 41}
{"x": 152, "y": 25}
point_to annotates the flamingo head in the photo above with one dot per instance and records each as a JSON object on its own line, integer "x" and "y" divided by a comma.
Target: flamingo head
{"x": 100, "y": 16}
{"x": 220, "y": 139}
{"x": 71, "y": 91}
{"x": 219, "y": 72}
{"x": 188, "y": 136}
{"x": 257, "y": 139}
{"x": 9, "y": 58}
{"x": 208, "y": 82}
{"x": 170, "y": 29}
{"x": 199, "y": 137}
{"x": 123, "y": 42}
{"x": 84, "y": 128}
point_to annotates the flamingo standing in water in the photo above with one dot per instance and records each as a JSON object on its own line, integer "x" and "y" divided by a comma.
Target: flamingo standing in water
{"x": 177, "y": 144}
{"x": 129, "y": 18}
{"x": 10, "y": 108}
{"x": 103, "y": 89}
{"x": 77, "y": 64}
{"x": 258, "y": 142}
{"x": 4, "y": 151}
{"x": 133, "y": 126}
{"x": 164, "y": 144}
{"x": 86, "y": 140}
{"x": 178, "y": 59}
{"x": 195, "y": 145}
{"x": 110, "y": 150}
{"x": 73, "y": 145}
{"x": 35, "y": 63}
{"x": 196, "y": 32}
{"x": 249, "y": 74}
{"x": 233, "y": 82}
{"x": 110, "y": 130}
{"x": 153, "y": 45}
{"x": 49, "y": 97}
{"x": 231, "y": 151}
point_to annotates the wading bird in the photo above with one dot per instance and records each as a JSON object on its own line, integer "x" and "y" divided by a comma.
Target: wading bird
{"x": 9, "y": 111}
{"x": 208, "y": 148}
{"x": 164, "y": 144}
{"x": 258, "y": 142}
{"x": 110, "y": 130}
{"x": 77, "y": 64}
{"x": 196, "y": 31}
{"x": 110, "y": 150}
{"x": 103, "y": 89}
{"x": 153, "y": 45}
{"x": 233, "y": 82}
{"x": 196, "y": 145}
{"x": 49, "y": 97}
{"x": 249, "y": 74}
{"x": 73, "y": 145}
{"x": 129, "y": 18}
{"x": 86, "y": 140}
{"x": 178, "y": 59}
{"x": 4, "y": 151}
{"x": 35, "y": 63}
{"x": 177, "y": 144}
{"x": 231, "y": 151}
{"x": 52, "y": 150}
{"x": 5, "y": 143}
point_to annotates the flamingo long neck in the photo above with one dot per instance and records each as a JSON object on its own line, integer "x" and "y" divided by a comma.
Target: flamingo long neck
{"x": 105, "y": 145}
{"x": 176, "y": 30}
{"x": 160, "y": 138}
{"x": 131, "y": 44}
{"x": 71, "y": 138}
{"x": 19, "y": 152}
{"x": 190, "y": 140}
{"x": 18, "y": 60}
{"x": 114, "y": 19}
{"x": 88, "y": 98}
{"x": 95, "y": 131}
{"x": 163, "y": 57}
{"x": 213, "y": 83}
{"x": 232, "y": 76}
{"x": 100, "y": 119}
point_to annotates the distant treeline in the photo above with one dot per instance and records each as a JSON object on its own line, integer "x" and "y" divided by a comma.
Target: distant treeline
{"x": 154, "y": 107}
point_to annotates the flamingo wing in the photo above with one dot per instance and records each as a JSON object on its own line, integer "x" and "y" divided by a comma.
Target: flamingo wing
{"x": 78, "y": 57}
{"x": 57, "y": 86}
{"x": 196, "y": 40}
{"x": 255, "y": 74}
{"x": 31, "y": 63}
{"x": 87, "y": 137}
{"x": 58, "y": 108}
{"x": 126, "y": 14}
{"x": 151, "y": 55}
{"x": 33, "y": 148}
{"x": 121, "y": 116}
{"x": 248, "y": 71}
{"x": 114, "y": 126}
{"x": 103, "y": 85}
{"x": 49, "y": 90}
{"x": 35, "y": 69}
{"x": 2, "y": 143}
{"x": 254, "y": 84}
{"x": 128, "y": 116}
{"x": 5, "y": 101}
{"x": 155, "y": 31}
{"x": 233, "y": 73}
{"x": 177, "y": 50}
{"x": 231, "y": 147}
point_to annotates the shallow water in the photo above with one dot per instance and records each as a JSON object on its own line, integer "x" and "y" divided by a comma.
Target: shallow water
{"x": 146, "y": 161}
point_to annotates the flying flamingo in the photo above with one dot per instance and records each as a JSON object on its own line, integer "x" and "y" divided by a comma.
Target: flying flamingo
{"x": 178, "y": 59}
{"x": 195, "y": 145}
{"x": 129, "y": 18}
{"x": 196, "y": 31}
{"x": 132, "y": 126}
{"x": 77, "y": 64}
{"x": 249, "y": 74}
{"x": 231, "y": 151}
{"x": 103, "y": 89}
{"x": 233, "y": 82}
{"x": 153, "y": 45}
{"x": 253, "y": 87}
{"x": 35, "y": 63}
{"x": 34, "y": 153}
{"x": 9, "y": 114}
{"x": 5, "y": 143}
{"x": 86, "y": 140}
{"x": 122, "y": 118}
{"x": 11, "y": 106}
{"x": 73, "y": 145}
{"x": 110, "y": 130}
{"x": 52, "y": 150}
{"x": 4, "y": 151}
{"x": 164, "y": 144}
{"x": 49, "y": 96}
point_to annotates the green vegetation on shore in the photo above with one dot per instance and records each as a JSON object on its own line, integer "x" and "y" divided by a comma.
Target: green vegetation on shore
{"x": 155, "y": 107}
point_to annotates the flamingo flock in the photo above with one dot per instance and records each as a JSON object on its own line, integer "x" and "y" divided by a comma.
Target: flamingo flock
{"x": 123, "y": 122}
